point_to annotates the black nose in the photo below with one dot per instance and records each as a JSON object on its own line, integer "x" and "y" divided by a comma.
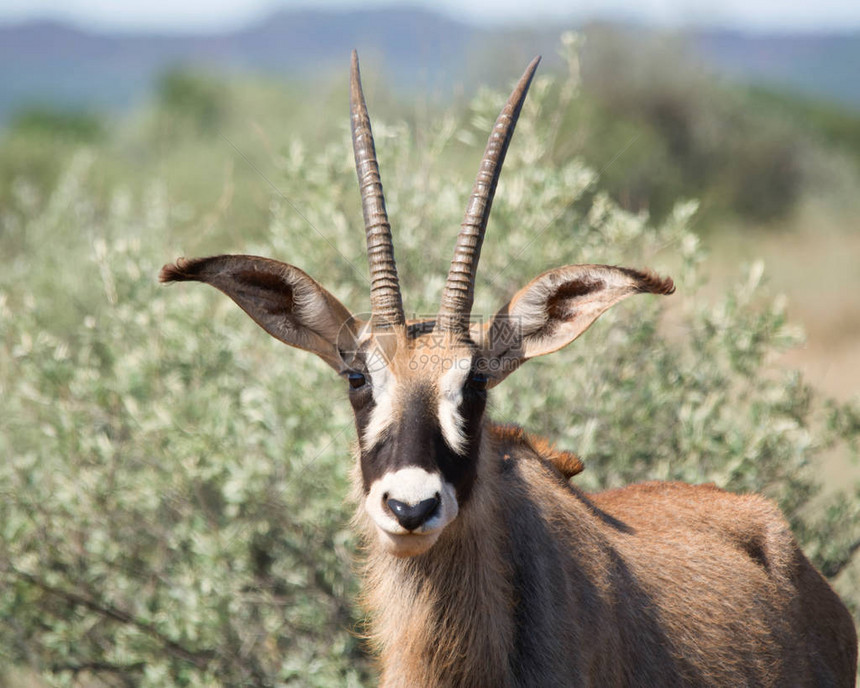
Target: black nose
{"x": 411, "y": 516}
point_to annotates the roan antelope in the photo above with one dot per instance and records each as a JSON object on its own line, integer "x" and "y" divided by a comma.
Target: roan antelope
{"x": 485, "y": 568}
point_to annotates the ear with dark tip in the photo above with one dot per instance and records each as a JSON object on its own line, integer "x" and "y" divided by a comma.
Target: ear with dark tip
{"x": 280, "y": 298}
{"x": 554, "y": 309}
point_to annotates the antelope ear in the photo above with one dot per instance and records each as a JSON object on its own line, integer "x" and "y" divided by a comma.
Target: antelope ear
{"x": 283, "y": 300}
{"x": 554, "y": 309}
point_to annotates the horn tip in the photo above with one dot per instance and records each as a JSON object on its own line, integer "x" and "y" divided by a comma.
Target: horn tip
{"x": 356, "y": 94}
{"x": 533, "y": 65}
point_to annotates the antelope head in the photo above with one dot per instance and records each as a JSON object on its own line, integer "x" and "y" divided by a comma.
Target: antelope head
{"x": 419, "y": 388}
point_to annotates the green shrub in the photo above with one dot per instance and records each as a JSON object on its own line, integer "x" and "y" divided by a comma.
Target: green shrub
{"x": 84, "y": 127}
{"x": 191, "y": 100}
{"x": 34, "y": 147}
{"x": 682, "y": 132}
{"x": 173, "y": 484}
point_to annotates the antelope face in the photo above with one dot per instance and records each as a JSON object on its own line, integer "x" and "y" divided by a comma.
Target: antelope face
{"x": 418, "y": 389}
{"x": 418, "y": 412}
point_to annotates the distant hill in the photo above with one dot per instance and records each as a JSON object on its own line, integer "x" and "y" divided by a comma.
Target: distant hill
{"x": 53, "y": 63}
{"x": 825, "y": 66}
{"x": 57, "y": 64}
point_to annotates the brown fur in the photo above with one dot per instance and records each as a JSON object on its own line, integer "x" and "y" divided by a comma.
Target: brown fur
{"x": 652, "y": 283}
{"x": 513, "y": 440}
{"x": 660, "y": 584}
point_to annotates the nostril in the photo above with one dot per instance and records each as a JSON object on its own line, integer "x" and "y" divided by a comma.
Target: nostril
{"x": 435, "y": 502}
{"x": 412, "y": 516}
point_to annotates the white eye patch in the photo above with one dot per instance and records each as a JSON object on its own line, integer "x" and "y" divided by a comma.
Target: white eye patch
{"x": 450, "y": 398}
{"x": 382, "y": 381}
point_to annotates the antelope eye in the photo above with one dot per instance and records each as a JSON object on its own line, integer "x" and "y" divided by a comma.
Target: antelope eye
{"x": 356, "y": 380}
{"x": 478, "y": 381}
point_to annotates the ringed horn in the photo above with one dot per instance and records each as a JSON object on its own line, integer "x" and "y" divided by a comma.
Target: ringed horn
{"x": 459, "y": 294}
{"x": 385, "y": 300}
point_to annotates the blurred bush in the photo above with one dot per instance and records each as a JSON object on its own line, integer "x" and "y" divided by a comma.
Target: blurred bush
{"x": 34, "y": 146}
{"x": 660, "y": 127}
{"x": 191, "y": 99}
{"x": 83, "y": 127}
{"x": 173, "y": 491}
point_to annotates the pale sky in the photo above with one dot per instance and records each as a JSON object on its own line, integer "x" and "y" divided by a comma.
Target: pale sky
{"x": 212, "y": 15}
